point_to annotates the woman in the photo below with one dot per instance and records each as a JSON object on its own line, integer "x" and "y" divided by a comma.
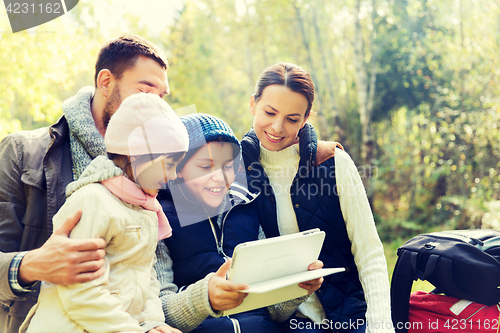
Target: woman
{"x": 303, "y": 188}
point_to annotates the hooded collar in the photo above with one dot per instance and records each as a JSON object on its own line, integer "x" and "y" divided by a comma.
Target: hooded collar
{"x": 101, "y": 168}
{"x": 59, "y": 131}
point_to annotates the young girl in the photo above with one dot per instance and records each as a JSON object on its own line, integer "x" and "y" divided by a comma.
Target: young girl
{"x": 210, "y": 214}
{"x": 302, "y": 188}
{"x": 145, "y": 140}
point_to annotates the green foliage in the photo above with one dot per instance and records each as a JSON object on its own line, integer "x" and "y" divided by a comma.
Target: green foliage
{"x": 438, "y": 153}
{"x": 45, "y": 65}
{"x": 435, "y": 172}
{"x": 38, "y": 70}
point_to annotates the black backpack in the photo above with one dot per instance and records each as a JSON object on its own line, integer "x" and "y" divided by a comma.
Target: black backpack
{"x": 461, "y": 263}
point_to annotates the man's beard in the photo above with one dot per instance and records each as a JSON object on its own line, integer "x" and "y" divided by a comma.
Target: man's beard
{"x": 111, "y": 106}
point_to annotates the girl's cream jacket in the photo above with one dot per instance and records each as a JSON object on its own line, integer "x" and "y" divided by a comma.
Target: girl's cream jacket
{"x": 126, "y": 296}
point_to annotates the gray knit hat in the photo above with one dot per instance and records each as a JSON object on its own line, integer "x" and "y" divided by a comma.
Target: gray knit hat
{"x": 203, "y": 128}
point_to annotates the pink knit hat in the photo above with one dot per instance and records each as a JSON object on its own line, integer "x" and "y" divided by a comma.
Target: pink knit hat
{"x": 145, "y": 124}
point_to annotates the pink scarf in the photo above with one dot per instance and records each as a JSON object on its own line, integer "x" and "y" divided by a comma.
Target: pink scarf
{"x": 126, "y": 190}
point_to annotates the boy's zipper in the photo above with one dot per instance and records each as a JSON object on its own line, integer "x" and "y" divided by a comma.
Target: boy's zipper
{"x": 222, "y": 232}
{"x": 219, "y": 243}
{"x": 220, "y": 249}
{"x": 236, "y": 325}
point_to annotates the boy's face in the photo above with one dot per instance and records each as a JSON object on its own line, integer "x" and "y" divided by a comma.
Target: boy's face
{"x": 209, "y": 173}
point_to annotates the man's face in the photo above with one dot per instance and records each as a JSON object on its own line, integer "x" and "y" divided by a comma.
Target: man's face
{"x": 145, "y": 76}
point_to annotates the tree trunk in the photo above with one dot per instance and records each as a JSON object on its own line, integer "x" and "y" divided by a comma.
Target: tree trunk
{"x": 339, "y": 133}
{"x": 365, "y": 88}
{"x": 324, "y": 132}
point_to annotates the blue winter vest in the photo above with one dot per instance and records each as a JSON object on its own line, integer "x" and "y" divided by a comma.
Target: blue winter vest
{"x": 316, "y": 204}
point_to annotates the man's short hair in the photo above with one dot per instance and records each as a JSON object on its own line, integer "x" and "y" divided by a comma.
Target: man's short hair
{"x": 121, "y": 53}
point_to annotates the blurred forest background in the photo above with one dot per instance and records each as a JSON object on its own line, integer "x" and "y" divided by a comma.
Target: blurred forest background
{"x": 411, "y": 88}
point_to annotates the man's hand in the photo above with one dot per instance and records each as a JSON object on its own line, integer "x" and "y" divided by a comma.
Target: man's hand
{"x": 223, "y": 294}
{"x": 313, "y": 285}
{"x": 164, "y": 329}
{"x": 62, "y": 260}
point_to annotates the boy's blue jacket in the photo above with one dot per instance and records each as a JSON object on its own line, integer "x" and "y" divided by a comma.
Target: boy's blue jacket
{"x": 200, "y": 248}
{"x": 316, "y": 205}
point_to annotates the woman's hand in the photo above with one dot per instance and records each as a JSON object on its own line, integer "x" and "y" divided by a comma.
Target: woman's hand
{"x": 224, "y": 294}
{"x": 313, "y": 285}
{"x": 164, "y": 329}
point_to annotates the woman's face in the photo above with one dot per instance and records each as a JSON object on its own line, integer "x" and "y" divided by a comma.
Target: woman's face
{"x": 278, "y": 116}
{"x": 151, "y": 175}
{"x": 209, "y": 173}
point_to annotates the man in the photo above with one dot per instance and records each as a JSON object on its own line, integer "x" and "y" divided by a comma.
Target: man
{"x": 36, "y": 166}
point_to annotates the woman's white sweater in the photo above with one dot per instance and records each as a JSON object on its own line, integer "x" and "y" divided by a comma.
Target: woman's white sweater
{"x": 281, "y": 168}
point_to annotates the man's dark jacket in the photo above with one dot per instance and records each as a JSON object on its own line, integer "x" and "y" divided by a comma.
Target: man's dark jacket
{"x": 35, "y": 167}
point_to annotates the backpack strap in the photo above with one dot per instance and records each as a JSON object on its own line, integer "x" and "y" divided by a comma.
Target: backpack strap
{"x": 445, "y": 275}
{"x": 429, "y": 267}
{"x": 402, "y": 281}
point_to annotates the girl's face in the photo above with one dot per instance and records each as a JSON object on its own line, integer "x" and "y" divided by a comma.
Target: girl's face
{"x": 209, "y": 173}
{"x": 151, "y": 175}
{"x": 278, "y": 116}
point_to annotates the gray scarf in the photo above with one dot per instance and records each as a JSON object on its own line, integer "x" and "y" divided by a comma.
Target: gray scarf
{"x": 85, "y": 140}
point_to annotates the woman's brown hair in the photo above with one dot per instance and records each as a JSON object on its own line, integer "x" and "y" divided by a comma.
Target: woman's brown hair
{"x": 288, "y": 75}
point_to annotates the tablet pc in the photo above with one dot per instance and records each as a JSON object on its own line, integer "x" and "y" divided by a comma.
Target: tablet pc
{"x": 275, "y": 266}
